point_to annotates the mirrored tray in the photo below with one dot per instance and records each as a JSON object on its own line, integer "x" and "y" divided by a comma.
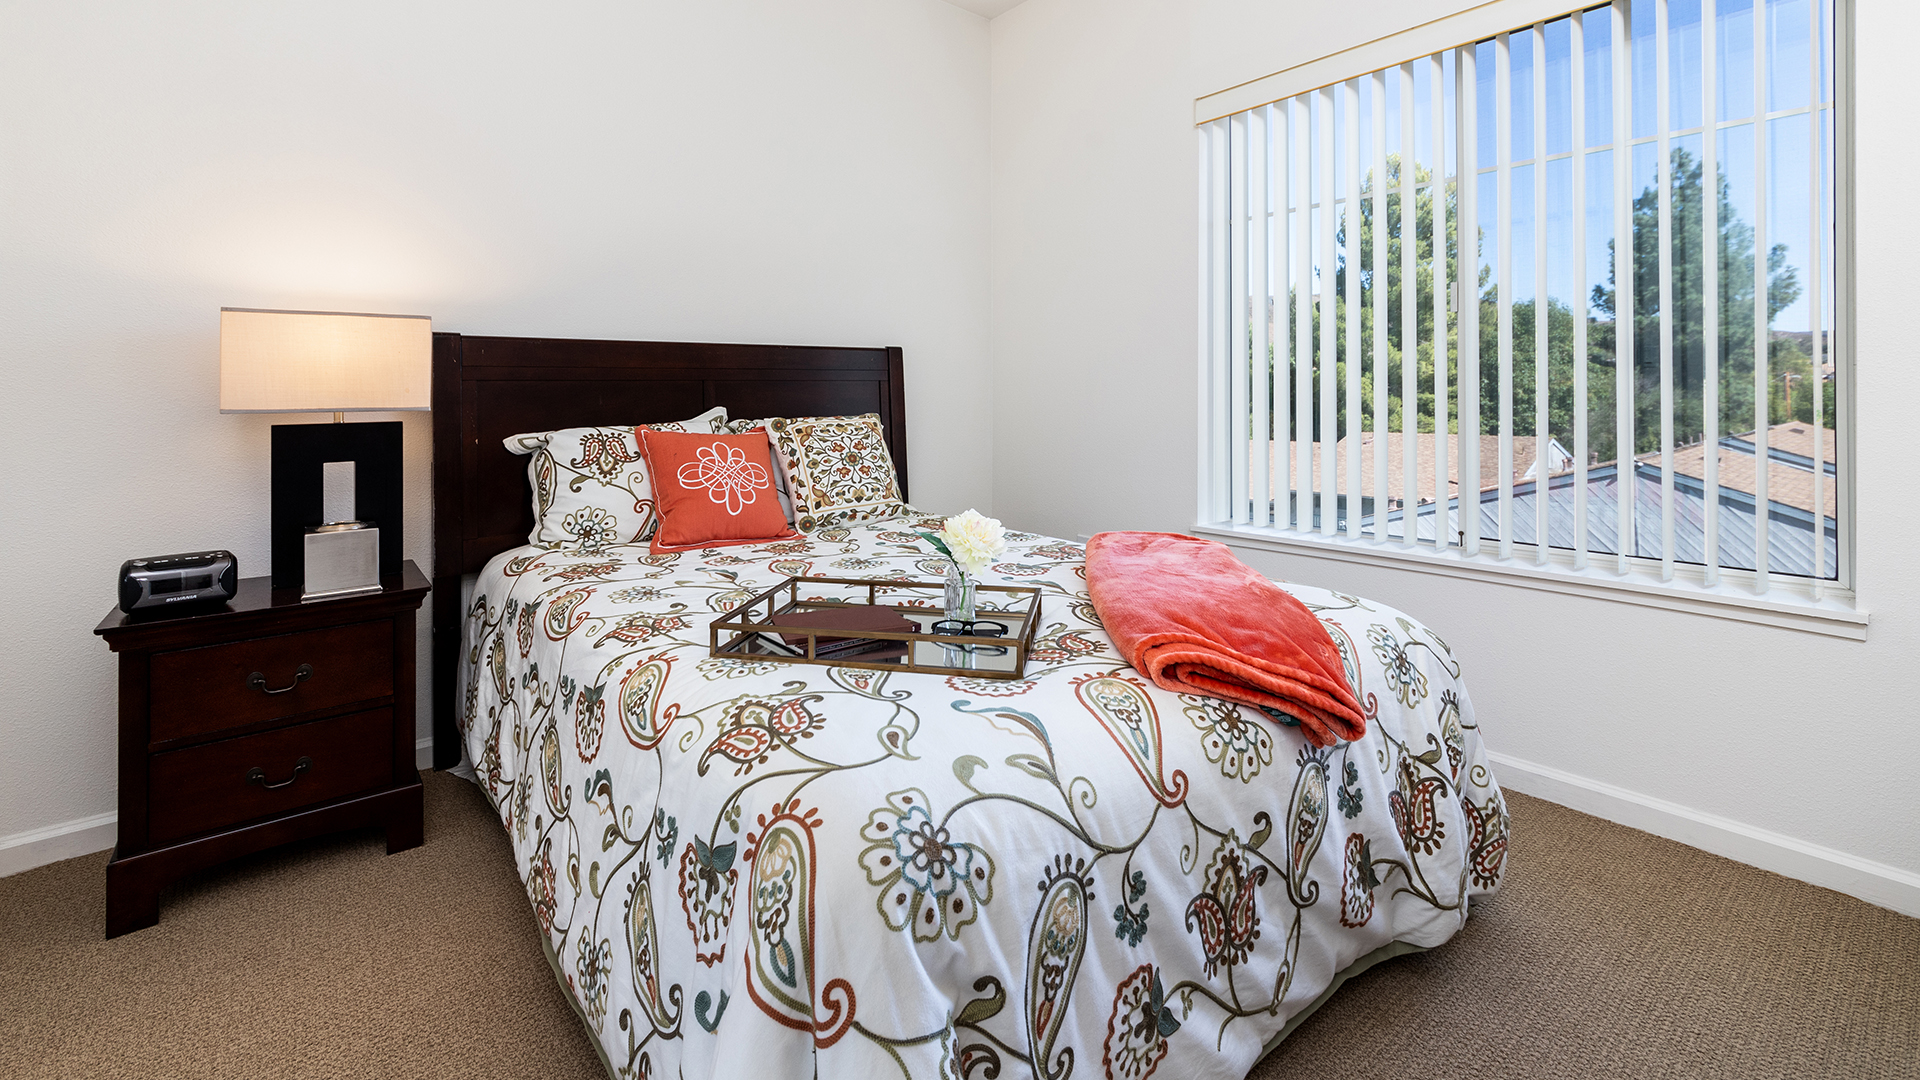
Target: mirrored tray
{"x": 994, "y": 646}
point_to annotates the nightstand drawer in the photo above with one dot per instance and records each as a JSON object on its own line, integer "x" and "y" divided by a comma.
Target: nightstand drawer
{"x": 200, "y": 691}
{"x": 216, "y": 784}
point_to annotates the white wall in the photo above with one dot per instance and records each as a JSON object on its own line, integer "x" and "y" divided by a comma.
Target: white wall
{"x": 726, "y": 170}
{"x": 1758, "y": 742}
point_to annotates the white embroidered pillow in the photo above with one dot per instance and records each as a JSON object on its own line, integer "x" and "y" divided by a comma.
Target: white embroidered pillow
{"x": 838, "y": 469}
{"x": 590, "y": 484}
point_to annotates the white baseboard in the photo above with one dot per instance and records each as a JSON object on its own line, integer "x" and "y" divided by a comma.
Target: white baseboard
{"x": 69, "y": 839}
{"x": 1877, "y": 883}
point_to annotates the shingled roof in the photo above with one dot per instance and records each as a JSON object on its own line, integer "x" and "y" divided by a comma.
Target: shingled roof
{"x": 1426, "y": 460}
{"x": 1791, "y": 536}
{"x": 1790, "y": 448}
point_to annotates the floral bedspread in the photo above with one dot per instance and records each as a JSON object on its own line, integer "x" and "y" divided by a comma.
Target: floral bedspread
{"x": 748, "y": 868}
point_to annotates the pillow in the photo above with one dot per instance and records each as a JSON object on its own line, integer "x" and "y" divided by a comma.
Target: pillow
{"x": 780, "y": 487}
{"x": 713, "y": 490}
{"x": 838, "y": 469}
{"x": 590, "y": 484}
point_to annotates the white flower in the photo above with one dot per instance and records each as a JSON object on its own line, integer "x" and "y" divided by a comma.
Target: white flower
{"x": 974, "y": 541}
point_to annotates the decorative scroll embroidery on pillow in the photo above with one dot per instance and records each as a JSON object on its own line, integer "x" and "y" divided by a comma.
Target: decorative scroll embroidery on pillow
{"x": 727, "y": 477}
{"x": 590, "y": 485}
{"x": 838, "y": 469}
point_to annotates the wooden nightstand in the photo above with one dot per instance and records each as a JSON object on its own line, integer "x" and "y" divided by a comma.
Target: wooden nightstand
{"x": 265, "y": 721}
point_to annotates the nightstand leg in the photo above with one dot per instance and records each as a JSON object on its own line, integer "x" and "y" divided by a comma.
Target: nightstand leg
{"x": 133, "y": 897}
{"x": 404, "y": 819}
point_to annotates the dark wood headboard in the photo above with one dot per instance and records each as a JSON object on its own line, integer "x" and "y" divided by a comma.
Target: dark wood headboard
{"x": 487, "y": 388}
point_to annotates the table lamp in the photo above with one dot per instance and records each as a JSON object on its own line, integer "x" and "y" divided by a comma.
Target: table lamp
{"x": 336, "y": 522}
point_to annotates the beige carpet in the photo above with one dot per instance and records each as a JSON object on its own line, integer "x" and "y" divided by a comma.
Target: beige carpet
{"x": 1610, "y": 954}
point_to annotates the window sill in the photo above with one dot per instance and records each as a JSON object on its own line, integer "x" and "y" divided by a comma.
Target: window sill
{"x": 1789, "y": 605}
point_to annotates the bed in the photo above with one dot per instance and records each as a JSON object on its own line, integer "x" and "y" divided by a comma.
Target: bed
{"x": 741, "y": 867}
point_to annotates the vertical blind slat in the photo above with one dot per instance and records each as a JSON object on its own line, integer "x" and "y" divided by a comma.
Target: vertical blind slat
{"x": 1218, "y": 221}
{"x": 1467, "y": 110}
{"x": 1816, "y": 309}
{"x": 1329, "y": 318}
{"x": 1577, "y": 57}
{"x": 1838, "y": 231}
{"x": 1542, "y": 355}
{"x": 1350, "y": 229}
{"x": 1762, "y": 555}
{"x": 1239, "y": 402}
{"x": 1409, "y": 309}
{"x": 1203, "y": 150}
{"x": 1624, "y": 479}
{"x": 1663, "y": 176}
{"x": 1710, "y": 290}
{"x": 1303, "y": 313}
{"x": 1378, "y": 191}
{"x": 1283, "y": 240}
{"x": 1437, "y": 100}
{"x": 1259, "y": 288}
{"x": 1503, "y": 274}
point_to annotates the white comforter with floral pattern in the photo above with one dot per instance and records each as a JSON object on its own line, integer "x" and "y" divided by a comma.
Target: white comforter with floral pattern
{"x": 747, "y": 868}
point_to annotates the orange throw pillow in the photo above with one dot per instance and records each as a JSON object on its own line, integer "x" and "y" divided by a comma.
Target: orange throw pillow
{"x": 713, "y": 490}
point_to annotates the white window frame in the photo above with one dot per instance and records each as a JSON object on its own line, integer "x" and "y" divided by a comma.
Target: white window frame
{"x": 1225, "y": 511}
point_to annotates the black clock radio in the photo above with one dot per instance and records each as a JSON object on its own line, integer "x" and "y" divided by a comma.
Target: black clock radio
{"x": 192, "y": 578}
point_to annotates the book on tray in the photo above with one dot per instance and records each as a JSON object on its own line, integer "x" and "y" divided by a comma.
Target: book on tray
{"x": 839, "y": 632}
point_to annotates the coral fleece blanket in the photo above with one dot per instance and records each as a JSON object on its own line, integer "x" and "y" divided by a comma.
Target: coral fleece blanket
{"x": 1196, "y": 620}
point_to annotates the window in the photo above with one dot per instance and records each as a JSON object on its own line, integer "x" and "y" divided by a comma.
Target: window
{"x": 1635, "y": 364}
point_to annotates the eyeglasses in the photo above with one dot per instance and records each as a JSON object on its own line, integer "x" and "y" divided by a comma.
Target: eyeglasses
{"x": 972, "y": 628}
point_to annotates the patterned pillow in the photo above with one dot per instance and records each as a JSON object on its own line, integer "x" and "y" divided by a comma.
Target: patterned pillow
{"x": 590, "y": 486}
{"x": 780, "y": 488}
{"x": 838, "y": 469}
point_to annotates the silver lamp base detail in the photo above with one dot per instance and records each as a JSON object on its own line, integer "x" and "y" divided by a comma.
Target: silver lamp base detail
{"x": 342, "y": 559}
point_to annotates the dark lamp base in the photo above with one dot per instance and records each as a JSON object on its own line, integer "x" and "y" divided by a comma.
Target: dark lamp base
{"x": 299, "y": 451}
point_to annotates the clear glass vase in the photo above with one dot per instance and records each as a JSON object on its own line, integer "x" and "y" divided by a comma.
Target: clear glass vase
{"x": 959, "y": 594}
{"x": 959, "y": 610}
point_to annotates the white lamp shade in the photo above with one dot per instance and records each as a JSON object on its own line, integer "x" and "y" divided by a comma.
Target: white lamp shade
{"x": 324, "y": 361}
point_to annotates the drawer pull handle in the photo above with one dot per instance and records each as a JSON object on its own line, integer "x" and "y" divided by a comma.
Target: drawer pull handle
{"x": 258, "y": 775}
{"x": 300, "y": 674}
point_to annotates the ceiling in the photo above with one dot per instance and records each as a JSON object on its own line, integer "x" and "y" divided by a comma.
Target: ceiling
{"x": 988, "y": 8}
